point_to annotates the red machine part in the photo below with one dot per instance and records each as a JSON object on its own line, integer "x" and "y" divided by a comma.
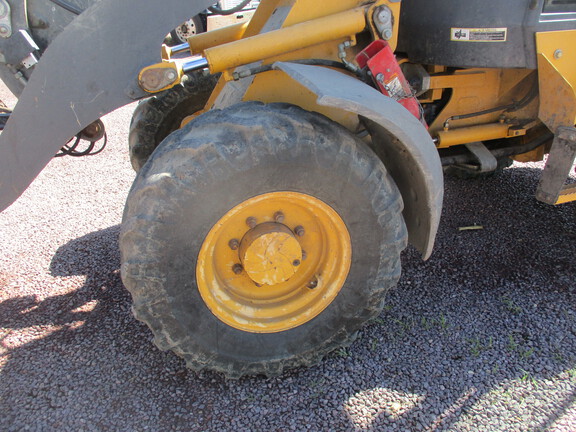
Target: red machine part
{"x": 380, "y": 60}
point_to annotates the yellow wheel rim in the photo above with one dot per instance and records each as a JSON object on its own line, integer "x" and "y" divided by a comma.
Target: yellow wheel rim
{"x": 274, "y": 262}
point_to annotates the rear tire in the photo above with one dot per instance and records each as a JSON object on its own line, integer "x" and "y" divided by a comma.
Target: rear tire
{"x": 158, "y": 116}
{"x": 188, "y": 28}
{"x": 225, "y": 158}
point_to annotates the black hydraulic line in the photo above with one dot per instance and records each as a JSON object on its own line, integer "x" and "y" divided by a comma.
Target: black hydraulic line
{"x": 215, "y": 9}
{"x": 71, "y": 150}
{"x": 69, "y": 7}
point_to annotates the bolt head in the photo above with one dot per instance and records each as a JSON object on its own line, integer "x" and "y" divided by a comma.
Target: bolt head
{"x": 279, "y": 217}
{"x": 304, "y": 255}
{"x": 237, "y": 269}
{"x": 312, "y": 284}
{"x": 384, "y": 15}
{"x": 296, "y": 263}
{"x": 299, "y": 231}
{"x": 558, "y": 54}
{"x": 251, "y": 222}
{"x": 234, "y": 244}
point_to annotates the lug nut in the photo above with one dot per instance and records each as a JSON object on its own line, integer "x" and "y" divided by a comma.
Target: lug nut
{"x": 296, "y": 263}
{"x": 304, "y": 255}
{"x": 312, "y": 284}
{"x": 251, "y": 222}
{"x": 237, "y": 268}
{"x": 279, "y": 217}
{"x": 299, "y": 231}
{"x": 234, "y": 244}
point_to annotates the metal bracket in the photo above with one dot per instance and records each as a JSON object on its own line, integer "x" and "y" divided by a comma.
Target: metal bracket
{"x": 552, "y": 189}
{"x": 487, "y": 162}
{"x": 384, "y": 22}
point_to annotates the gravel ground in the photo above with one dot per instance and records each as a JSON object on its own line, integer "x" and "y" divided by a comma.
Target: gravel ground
{"x": 480, "y": 337}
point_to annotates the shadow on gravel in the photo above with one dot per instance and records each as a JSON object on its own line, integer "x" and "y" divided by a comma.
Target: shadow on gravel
{"x": 94, "y": 256}
{"x": 480, "y": 337}
{"x": 483, "y": 335}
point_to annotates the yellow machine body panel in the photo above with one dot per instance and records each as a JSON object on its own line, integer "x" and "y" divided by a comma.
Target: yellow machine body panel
{"x": 557, "y": 77}
{"x": 488, "y": 91}
{"x": 276, "y": 86}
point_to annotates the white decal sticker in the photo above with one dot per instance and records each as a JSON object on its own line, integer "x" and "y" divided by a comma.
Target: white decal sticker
{"x": 394, "y": 88}
{"x": 479, "y": 34}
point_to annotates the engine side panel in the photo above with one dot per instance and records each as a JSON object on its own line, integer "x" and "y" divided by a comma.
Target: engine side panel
{"x": 480, "y": 33}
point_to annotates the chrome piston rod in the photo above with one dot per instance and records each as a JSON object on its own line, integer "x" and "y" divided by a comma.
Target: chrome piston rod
{"x": 195, "y": 64}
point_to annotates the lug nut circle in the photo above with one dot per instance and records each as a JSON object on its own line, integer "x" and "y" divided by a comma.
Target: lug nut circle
{"x": 273, "y": 262}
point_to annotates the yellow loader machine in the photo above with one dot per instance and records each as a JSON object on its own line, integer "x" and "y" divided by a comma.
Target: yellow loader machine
{"x": 285, "y": 163}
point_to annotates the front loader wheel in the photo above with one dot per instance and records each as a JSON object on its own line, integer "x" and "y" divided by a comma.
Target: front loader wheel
{"x": 260, "y": 237}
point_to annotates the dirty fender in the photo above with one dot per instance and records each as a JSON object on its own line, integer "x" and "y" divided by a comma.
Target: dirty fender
{"x": 400, "y": 140}
{"x": 89, "y": 70}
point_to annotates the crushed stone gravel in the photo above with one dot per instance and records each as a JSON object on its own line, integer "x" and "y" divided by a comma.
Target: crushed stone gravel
{"x": 480, "y": 337}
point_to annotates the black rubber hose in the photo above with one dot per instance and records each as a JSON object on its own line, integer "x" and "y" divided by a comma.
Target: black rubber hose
{"x": 71, "y": 150}
{"x": 238, "y": 8}
{"x": 69, "y": 7}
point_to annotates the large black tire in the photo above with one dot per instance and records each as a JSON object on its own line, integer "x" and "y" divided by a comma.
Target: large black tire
{"x": 157, "y": 117}
{"x": 220, "y": 159}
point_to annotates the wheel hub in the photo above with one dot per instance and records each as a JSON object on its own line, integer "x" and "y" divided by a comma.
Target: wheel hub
{"x": 273, "y": 262}
{"x": 270, "y": 253}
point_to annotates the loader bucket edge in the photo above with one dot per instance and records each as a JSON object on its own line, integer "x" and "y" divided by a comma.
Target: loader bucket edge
{"x": 85, "y": 73}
